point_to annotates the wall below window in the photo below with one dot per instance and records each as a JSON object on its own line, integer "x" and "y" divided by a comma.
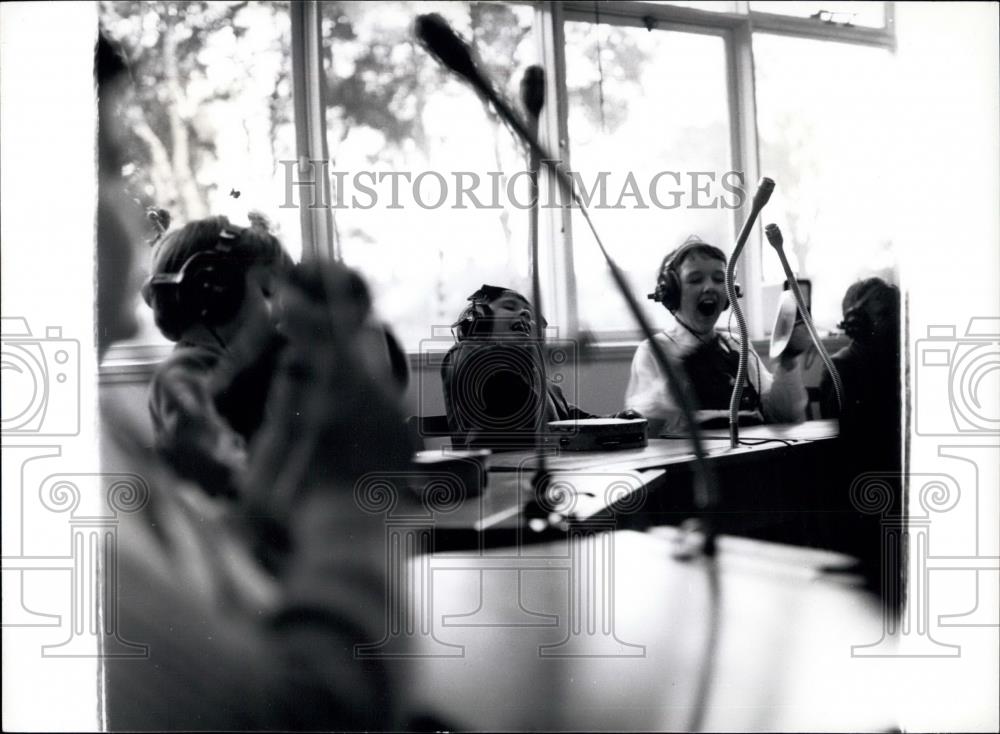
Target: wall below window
{"x": 596, "y": 383}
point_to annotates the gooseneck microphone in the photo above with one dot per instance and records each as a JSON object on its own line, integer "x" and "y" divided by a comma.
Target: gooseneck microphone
{"x": 533, "y": 91}
{"x": 765, "y": 188}
{"x": 448, "y": 47}
{"x": 442, "y": 42}
{"x": 533, "y": 98}
{"x": 777, "y": 242}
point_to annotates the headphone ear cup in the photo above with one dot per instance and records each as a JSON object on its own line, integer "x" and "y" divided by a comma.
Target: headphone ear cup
{"x": 671, "y": 292}
{"x": 739, "y": 294}
{"x": 463, "y": 327}
{"x": 147, "y": 292}
{"x": 214, "y": 289}
{"x": 857, "y": 323}
{"x": 466, "y": 324}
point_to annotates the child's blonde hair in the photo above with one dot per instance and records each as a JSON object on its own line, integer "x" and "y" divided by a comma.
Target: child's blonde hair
{"x": 199, "y": 271}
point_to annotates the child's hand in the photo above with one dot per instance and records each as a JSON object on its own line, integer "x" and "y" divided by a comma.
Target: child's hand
{"x": 628, "y": 414}
{"x": 330, "y": 419}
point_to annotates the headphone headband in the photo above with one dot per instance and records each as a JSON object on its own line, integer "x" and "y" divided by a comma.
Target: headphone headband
{"x": 223, "y": 246}
{"x": 668, "y": 281}
{"x": 207, "y": 288}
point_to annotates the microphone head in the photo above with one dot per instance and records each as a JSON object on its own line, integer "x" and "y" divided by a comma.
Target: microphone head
{"x": 765, "y": 187}
{"x": 447, "y": 46}
{"x": 533, "y": 90}
{"x": 774, "y": 236}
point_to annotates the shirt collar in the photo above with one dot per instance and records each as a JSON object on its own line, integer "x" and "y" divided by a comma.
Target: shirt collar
{"x": 683, "y": 340}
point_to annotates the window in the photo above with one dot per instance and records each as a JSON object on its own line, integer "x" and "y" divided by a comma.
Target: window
{"x": 429, "y": 192}
{"x": 396, "y": 118}
{"x": 821, "y": 121}
{"x": 649, "y": 107}
{"x": 209, "y": 119}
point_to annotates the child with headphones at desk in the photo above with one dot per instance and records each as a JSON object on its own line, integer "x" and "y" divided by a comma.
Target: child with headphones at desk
{"x": 491, "y": 376}
{"x": 211, "y": 292}
{"x": 691, "y": 284}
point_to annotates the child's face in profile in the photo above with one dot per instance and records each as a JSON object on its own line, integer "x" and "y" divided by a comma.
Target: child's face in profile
{"x": 259, "y": 311}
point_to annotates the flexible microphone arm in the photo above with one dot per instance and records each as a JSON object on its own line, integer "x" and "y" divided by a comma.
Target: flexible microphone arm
{"x": 777, "y": 241}
{"x": 533, "y": 98}
{"x": 764, "y": 189}
{"x": 442, "y": 42}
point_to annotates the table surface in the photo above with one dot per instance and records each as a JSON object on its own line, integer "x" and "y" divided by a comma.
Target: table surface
{"x": 597, "y": 478}
{"x": 515, "y": 642}
{"x": 614, "y": 629}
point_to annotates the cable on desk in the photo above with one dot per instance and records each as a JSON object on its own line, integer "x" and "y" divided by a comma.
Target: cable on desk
{"x": 759, "y": 441}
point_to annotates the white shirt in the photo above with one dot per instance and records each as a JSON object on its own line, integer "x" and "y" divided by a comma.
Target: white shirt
{"x": 783, "y": 394}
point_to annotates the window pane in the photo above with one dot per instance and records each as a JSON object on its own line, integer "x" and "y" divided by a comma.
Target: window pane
{"x": 210, "y": 112}
{"x": 655, "y": 109}
{"x": 868, "y": 14}
{"x": 823, "y": 122}
{"x": 392, "y": 109}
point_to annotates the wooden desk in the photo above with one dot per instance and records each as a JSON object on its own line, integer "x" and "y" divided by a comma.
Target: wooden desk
{"x": 590, "y": 626}
{"x": 758, "y": 482}
{"x": 633, "y": 653}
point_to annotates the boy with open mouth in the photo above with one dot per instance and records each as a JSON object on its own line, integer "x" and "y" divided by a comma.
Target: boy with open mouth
{"x": 691, "y": 284}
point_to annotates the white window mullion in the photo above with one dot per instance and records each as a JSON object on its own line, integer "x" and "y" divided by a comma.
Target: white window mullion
{"x": 746, "y": 158}
{"x": 554, "y": 223}
{"x": 310, "y": 132}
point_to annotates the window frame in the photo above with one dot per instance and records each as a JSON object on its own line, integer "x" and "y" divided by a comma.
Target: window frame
{"x": 559, "y": 282}
{"x": 737, "y": 31}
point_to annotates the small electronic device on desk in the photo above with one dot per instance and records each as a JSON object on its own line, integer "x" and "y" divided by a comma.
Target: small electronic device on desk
{"x": 459, "y": 468}
{"x": 597, "y": 434}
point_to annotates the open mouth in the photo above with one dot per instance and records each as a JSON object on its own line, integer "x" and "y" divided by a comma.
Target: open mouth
{"x": 521, "y": 326}
{"x": 708, "y": 305}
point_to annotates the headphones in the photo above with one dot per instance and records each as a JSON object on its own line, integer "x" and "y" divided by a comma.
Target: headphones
{"x": 209, "y": 287}
{"x": 668, "y": 280}
{"x": 857, "y": 323}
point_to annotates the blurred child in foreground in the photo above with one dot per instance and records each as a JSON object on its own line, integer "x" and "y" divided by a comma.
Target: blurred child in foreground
{"x": 229, "y": 647}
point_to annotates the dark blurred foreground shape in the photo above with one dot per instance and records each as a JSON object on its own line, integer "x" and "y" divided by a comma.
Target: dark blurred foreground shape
{"x": 870, "y": 440}
{"x": 229, "y": 646}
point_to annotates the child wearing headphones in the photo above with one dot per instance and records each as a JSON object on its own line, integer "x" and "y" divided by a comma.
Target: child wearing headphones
{"x": 691, "y": 284}
{"x": 211, "y": 292}
{"x": 492, "y": 375}
{"x": 870, "y": 372}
